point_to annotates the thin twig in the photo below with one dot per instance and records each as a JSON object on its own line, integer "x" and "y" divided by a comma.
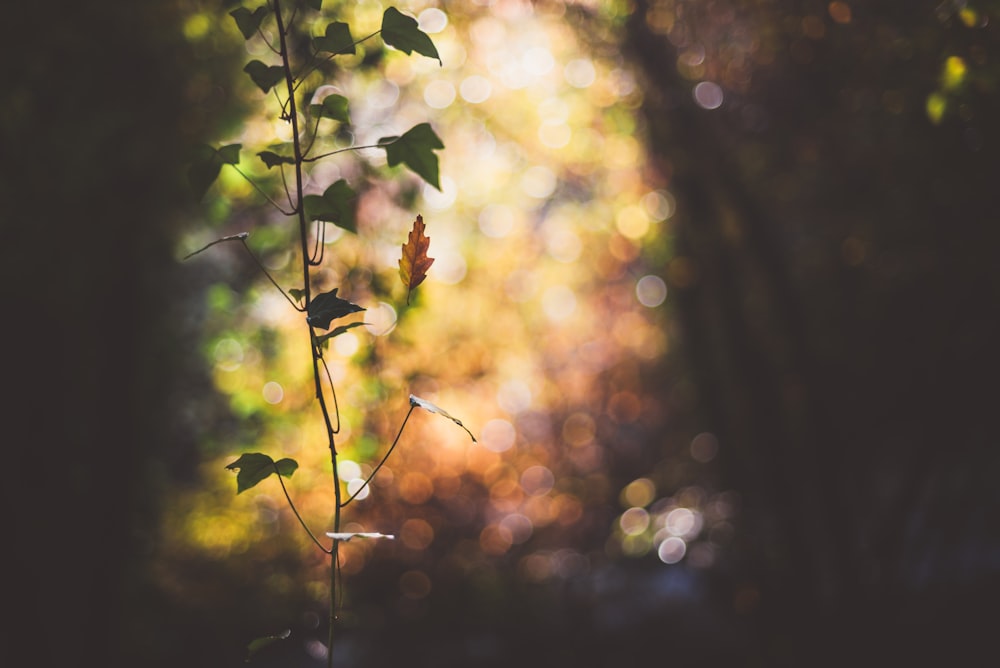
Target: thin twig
{"x": 384, "y": 457}
{"x": 269, "y": 277}
{"x": 302, "y": 76}
{"x": 349, "y": 148}
{"x": 233, "y": 237}
{"x": 299, "y": 517}
{"x": 261, "y": 191}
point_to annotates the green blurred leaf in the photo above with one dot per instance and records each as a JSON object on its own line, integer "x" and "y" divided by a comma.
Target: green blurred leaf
{"x": 206, "y": 163}
{"x": 333, "y": 106}
{"x": 272, "y": 159}
{"x": 253, "y": 467}
{"x": 401, "y": 32}
{"x": 415, "y": 149}
{"x": 258, "y": 644}
{"x": 327, "y": 307}
{"x": 335, "y": 205}
{"x": 265, "y": 76}
{"x": 230, "y": 154}
{"x": 337, "y": 39}
{"x": 314, "y": 4}
{"x": 248, "y": 22}
{"x": 297, "y": 294}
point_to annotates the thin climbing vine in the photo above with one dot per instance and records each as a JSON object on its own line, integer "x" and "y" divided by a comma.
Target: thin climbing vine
{"x": 273, "y": 24}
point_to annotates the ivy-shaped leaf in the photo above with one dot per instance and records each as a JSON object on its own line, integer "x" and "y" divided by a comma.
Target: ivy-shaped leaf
{"x": 336, "y": 331}
{"x": 265, "y": 76}
{"x": 415, "y": 148}
{"x": 272, "y": 159}
{"x": 428, "y": 406}
{"x": 401, "y": 32}
{"x": 248, "y": 22}
{"x": 206, "y": 164}
{"x": 253, "y": 467}
{"x": 335, "y": 205}
{"x": 337, "y": 39}
{"x": 297, "y": 294}
{"x": 333, "y": 106}
{"x": 327, "y": 307}
{"x": 414, "y": 263}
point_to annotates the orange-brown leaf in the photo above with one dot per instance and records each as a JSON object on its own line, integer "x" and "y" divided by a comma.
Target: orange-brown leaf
{"x": 414, "y": 264}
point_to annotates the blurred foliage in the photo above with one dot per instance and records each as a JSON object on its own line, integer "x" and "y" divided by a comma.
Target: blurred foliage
{"x": 713, "y": 285}
{"x": 542, "y": 308}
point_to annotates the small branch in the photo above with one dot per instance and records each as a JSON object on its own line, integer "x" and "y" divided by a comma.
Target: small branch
{"x": 233, "y": 237}
{"x": 258, "y": 188}
{"x": 312, "y": 141}
{"x": 384, "y": 458}
{"x": 273, "y": 282}
{"x": 288, "y": 193}
{"x": 344, "y": 150}
{"x": 299, "y": 517}
{"x": 319, "y": 248}
{"x": 301, "y": 77}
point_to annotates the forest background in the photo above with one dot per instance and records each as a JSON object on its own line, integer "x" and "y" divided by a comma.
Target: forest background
{"x": 714, "y": 283}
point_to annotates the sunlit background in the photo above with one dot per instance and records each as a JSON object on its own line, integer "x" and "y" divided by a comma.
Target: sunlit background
{"x": 714, "y": 289}
{"x": 545, "y": 314}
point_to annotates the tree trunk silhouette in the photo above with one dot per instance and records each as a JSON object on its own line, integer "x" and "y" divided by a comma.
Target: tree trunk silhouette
{"x": 839, "y": 302}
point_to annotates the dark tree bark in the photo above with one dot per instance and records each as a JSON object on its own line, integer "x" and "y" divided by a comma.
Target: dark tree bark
{"x": 839, "y": 299}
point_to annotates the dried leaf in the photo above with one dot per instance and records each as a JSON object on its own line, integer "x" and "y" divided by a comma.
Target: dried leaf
{"x": 414, "y": 264}
{"x": 428, "y": 406}
{"x": 344, "y": 537}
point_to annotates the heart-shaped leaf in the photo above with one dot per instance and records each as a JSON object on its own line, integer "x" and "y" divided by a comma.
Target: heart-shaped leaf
{"x": 333, "y": 106}
{"x": 415, "y": 149}
{"x": 401, "y": 32}
{"x": 272, "y": 159}
{"x": 248, "y": 22}
{"x": 253, "y": 467}
{"x": 265, "y": 76}
{"x": 327, "y": 307}
{"x": 207, "y": 162}
{"x": 337, "y": 39}
{"x": 335, "y": 205}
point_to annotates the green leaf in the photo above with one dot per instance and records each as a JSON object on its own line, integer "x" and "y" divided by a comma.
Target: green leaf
{"x": 248, "y": 22}
{"x": 258, "y": 644}
{"x": 401, "y": 32}
{"x": 327, "y": 307}
{"x": 265, "y": 76}
{"x": 297, "y": 294}
{"x": 335, "y": 205}
{"x": 206, "y": 163}
{"x": 314, "y": 4}
{"x": 415, "y": 149}
{"x": 254, "y": 467}
{"x": 428, "y": 406}
{"x": 334, "y": 106}
{"x": 336, "y": 331}
{"x": 272, "y": 159}
{"x": 337, "y": 39}
{"x": 230, "y": 154}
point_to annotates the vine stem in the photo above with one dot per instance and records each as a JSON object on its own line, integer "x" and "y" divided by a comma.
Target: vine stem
{"x": 304, "y": 244}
